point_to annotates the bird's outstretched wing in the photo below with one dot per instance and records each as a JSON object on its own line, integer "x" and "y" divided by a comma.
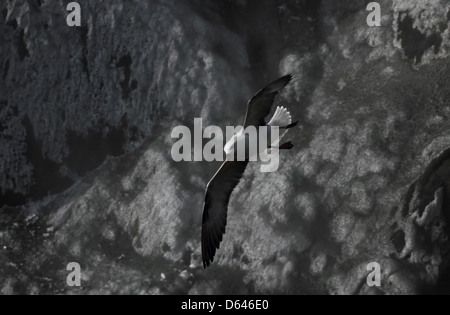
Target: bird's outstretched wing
{"x": 218, "y": 194}
{"x": 260, "y": 104}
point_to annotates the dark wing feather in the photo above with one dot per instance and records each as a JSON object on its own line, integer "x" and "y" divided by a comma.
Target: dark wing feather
{"x": 218, "y": 194}
{"x": 260, "y": 104}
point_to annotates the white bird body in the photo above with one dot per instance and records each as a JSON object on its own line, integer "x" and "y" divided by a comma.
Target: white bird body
{"x": 241, "y": 139}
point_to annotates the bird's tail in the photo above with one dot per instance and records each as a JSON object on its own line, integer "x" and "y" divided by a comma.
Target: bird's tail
{"x": 282, "y": 118}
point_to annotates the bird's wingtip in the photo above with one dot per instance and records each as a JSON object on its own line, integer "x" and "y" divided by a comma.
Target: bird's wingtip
{"x": 286, "y": 79}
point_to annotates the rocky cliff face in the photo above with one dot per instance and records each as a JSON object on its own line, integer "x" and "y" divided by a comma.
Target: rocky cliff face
{"x": 87, "y": 176}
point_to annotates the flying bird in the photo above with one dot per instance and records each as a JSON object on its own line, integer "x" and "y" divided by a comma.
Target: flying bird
{"x": 220, "y": 187}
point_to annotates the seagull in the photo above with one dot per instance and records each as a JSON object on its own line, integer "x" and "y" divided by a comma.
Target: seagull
{"x": 220, "y": 187}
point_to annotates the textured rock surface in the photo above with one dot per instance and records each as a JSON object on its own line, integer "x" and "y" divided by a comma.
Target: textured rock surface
{"x": 86, "y": 116}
